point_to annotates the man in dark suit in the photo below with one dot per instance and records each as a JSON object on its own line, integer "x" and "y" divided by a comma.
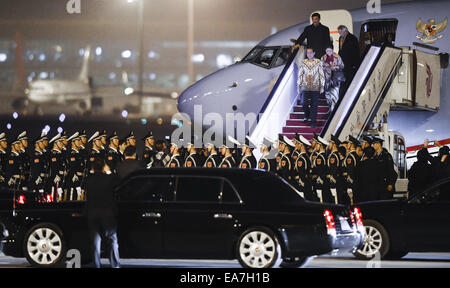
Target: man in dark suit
{"x": 317, "y": 36}
{"x": 129, "y": 164}
{"x": 102, "y": 211}
{"x": 349, "y": 52}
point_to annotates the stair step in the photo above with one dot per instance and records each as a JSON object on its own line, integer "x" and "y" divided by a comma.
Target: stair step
{"x": 301, "y": 116}
{"x": 320, "y": 102}
{"x": 319, "y": 109}
{"x": 308, "y": 136}
{"x": 300, "y": 123}
{"x": 301, "y": 130}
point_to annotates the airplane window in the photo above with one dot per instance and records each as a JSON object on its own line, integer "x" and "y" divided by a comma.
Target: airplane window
{"x": 266, "y": 57}
{"x": 282, "y": 58}
{"x": 252, "y": 55}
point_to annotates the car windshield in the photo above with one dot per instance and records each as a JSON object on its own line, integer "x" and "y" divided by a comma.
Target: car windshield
{"x": 433, "y": 191}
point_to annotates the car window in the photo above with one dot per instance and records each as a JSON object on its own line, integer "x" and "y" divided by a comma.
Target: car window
{"x": 266, "y": 57}
{"x": 441, "y": 193}
{"x": 228, "y": 193}
{"x": 198, "y": 189}
{"x": 153, "y": 189}
{"x": 252, "y": 55}
{"x": 282, "y": 58}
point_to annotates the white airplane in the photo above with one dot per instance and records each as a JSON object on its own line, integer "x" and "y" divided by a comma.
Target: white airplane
{"x": 63, "y": 92}
{"x": 246, "y": 87}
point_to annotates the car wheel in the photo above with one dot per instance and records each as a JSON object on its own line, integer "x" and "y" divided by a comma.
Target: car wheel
{"x": 297, "y": 262}
{"x": 44, "y": 245}
{"x": 258, "y": 248}
{"x": 376, "y": 241}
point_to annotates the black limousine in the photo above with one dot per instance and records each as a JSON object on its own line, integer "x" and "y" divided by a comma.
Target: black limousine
{"x": 249, "y": 215}
{"x": 420, "y": 223}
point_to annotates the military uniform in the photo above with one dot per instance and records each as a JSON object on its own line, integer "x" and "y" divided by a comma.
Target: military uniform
{"x": 175, "y": 161}
{"x": 112, "y": 157}
{"x": 248, "y": 162}
{"x": 302, "y": 176}
{"x": 267, "y": 164}
{"x": 3, "y": 165}
{"x": 387, "y": 173}
{"x": 192, "y": 161}
{"x": 321, "y": 183}
{"x": 349, "y": 172}
{"x": 334, "y": 167}
{"x": 57, "y": 175}
{"x": 228, "y": 162}
{"x": 148, "y": 156}
{"x": 38, "y": 172}
{"x": 13, "y": 170}
{"x": 212, "y": 161}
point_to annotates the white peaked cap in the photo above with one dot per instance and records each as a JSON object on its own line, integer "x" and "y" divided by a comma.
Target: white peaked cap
{"x": 288, "y": 141}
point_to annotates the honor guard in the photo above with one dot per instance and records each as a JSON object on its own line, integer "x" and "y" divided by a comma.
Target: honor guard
{"x": 213, "y": 159}
{"x": 350, "y": 166}
{"x": 248, "y": 161}
{"x": 295, "y": 152}
{"x": 386, "y": 169}
{"x": 302, "y": 168}
{"x": 267, "y": 161}
{"x": 104, "y": 140}
{"x": 75, "y": 169}
{"x": 3, "y": 159}
{"x": 193, "y": 159}
{"x": 23, "y": 138}
{"x": 39, "y": 166}
{"x": 285, "y": 167}
{"x": 149, "y": 149}
{"x": 319, "y": 174}
{"x": 112, "y": 153}
{"x": 227, "y": 157}
{"x": 312, "y": 151}
{"x": 13, "y": 171}
{"x": 96, "y": 150}
{"x": 161, "y": 158}
{"x": 57, "y": 167}
{"x": 334, "y": 170}
{"x": 175, "y": 158}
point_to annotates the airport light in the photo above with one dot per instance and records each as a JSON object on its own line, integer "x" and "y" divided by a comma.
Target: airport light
{"x": 15, "y": 115}
{"x": 62, "y": 117}
{"x": 8, "y": 126}
{"x": 126, "y": 54}
{"x": 60, "y": 129}
{"x": 124, "y": 113}
{"x": 128, "y": 91}
{"x": 3, "y": 57}
{"x": 144, "y": 121}
{"x": 98, "y": 51}
{"x": 198, "y": 58}
{"x": 430, "y": 130}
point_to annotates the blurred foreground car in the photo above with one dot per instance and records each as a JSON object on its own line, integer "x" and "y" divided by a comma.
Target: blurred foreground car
{"x": 249, "y": 215}
{"x": 420, "y": 223}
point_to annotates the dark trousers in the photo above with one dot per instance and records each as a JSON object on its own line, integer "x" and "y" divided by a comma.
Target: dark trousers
{"x": 108, "y": 227}
{"x": 310, "y": 101}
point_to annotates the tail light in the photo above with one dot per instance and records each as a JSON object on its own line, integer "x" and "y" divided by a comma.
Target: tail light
{"x": 359, "y": 218}
{"x": 48, "y": 198}
{"x": 21, "y": 199}
{"x": 331, "y": 225}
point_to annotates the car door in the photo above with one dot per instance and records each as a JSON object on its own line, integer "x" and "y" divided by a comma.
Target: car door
{"x": 141, "y": 215}
{"x": 428, "y": 219}
{"x": 201, "y": 220}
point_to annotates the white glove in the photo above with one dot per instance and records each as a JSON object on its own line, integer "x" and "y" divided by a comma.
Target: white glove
{"x": 11, "y": 181}
{"x": 60, "y": 192}
{"x": 78, "y": 189}
{"x": 38, "y": 180}
{"x": 75, "y": 178}
{"x": 350, "y": 193}
{"x": 332, "y": 180}
{"x": 319, "y": 181}
{"x": 57, "y": 179}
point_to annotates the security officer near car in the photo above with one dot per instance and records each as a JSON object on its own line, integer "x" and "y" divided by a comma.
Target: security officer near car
{"x": 39, "y": 166}
{"x": 161, "y": 158}
{"x": 267, "y": 161}
{"x": 149, "y": 149}
{"x": 3, "y": 159}
{"x": 302, "y": 168}
{"x": 385, "y": 168}
{"x": 350, "y": 166}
